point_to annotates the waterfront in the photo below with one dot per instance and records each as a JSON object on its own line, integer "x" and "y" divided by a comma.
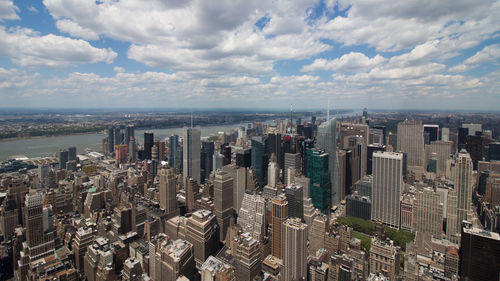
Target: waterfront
{"x": 49, "y": 146}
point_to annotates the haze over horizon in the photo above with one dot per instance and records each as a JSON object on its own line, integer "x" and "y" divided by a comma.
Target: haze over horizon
{"x": 250, "y": 54}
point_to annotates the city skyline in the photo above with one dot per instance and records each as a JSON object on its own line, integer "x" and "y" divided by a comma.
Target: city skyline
{"x": 198, "y": 54}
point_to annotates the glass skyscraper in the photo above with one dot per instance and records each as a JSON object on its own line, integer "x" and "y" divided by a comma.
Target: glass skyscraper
{"x": 319, "y": 175}
{"x": 327, "y": 139}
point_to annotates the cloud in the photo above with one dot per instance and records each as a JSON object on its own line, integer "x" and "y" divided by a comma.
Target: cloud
{"x": 352, "y": 62}
{"x": 8, "y": 11}
{"x": 488, "y": 54}
{"x": 72, "y": 28}
{"x": 27, "y": 48}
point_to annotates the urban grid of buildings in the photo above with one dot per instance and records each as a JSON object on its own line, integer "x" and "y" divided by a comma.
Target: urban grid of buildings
{"x": 286, "y": 200}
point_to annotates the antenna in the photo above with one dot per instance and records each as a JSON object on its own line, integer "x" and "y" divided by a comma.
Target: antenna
{"x": 328, "y": 111}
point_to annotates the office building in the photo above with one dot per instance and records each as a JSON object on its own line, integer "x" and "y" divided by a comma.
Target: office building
{"x": 201, "y": 232}
{"x": 192, "y": 189}
{"x": 359, "y": 134}
{"x": 223, "y": 201}
{"x": 244, "y": 158}
{"x": 214, "y": 269}
{"x": 279, "y": 215}
{"x": 384, "y": 258}
{"x": 260, "y": 159}
{"x": 445, "y": 134}
{"x": 327, "y": 139}
{"x": 369, "y": 156}
{"x": 463, "y": 185}
{"x": 295, "y": 198}
{"x": 358, "y": 206}
{"x": 252, "y": 216}
{"x": 473, "y": 128}
{"x": 443, "y": 151}
{"x": 292, "y": 161}
{"x": 168, "y": 191}
{"x": 319, "y": 174}
{"x": 318, "y": 231}
{"x": 171, "y": 259}
{"x": 84, "y": 237}
{"x": 431, "y": 133}
{"x": 129, "y": 133}
{"x": 63, "y": 159}
{"x": 294, "y": 250}
{"x": 148, "y": 145}
{"x": 241, "y": 176}
{"x": 118, "y": 136}
{"x": 428, "y": 212}
{"x": 273, "y": 172}
{"x": 72, "y": 153}
{"x": 173, "y": 146}
{"x": 191, "y": 154}
{"x": 386, "y": 187}
{"x": 248, "y": 257}
{"x": 111, "y": 140}
{"x": 411, "y": 140}
{"x": 479, "y": 254}
{"x": 207, "y": 159}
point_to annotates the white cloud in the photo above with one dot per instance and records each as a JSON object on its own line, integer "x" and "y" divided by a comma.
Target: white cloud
{"x": 26, "y": 47}
{"x": 8, "y": 11}
{"x": 119, "y": 69}
{"x": 72, "y": 28}
{"x": 488, "y": 54}
{"x": 352, "y": 62}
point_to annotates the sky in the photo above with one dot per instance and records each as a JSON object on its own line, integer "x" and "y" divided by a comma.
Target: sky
{"x": 412, "y": 54}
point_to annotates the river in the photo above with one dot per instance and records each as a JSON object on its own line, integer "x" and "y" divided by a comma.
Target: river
{"x": 49, "y": 146}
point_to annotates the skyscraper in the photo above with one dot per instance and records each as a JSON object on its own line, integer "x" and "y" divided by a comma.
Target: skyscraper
{"x": 201, "y": 231}
{"x": 148, "y": 145}
{"x": 428, "y": 212}
{"x": 63, "y": 158}
{"x": 431, "y": 133}
{"x": 223, "y": 201}
{"x": 319, "y": 174}
{"x": 386, "y": 187}
{"x": 294, "y": 250}
{"x": 294, "y": 196}
{"x": 129, "y": 133}
{"x": 292, "y": 160}
{"x": 260, "y": 159}
{"x": 72, "y": 153}
{"x": 118, "y": 135}
{"x": 463, "y": 186}
{"x": 191, "y": 154}
{"x": 207, "y": 159}
{"x": 111, "y": 140}
{"x": 327, "y": 139}
{"x": 173, "y": 147}
{"x": 479, "y": 254}
{"x": 279, "y": 215}
{"x": 411, "y": 140}
{"x": 168, "y": 191}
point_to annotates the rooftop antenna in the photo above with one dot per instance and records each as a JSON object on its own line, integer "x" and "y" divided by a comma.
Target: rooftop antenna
{"x": 328, "y": 111}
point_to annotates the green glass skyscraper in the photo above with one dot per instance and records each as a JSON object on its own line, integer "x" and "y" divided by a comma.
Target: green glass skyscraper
{"x": 319, "y": 175}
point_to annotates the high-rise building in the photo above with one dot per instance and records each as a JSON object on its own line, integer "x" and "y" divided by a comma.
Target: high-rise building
{"x": 192, "y": 189}
{"x": 445, "y": 134}
{"x": 72, "y": 153}
{"x": 359, "y": 134}
{"x": 252, "y": 216}
{"x": 172, "y": 259}
{"x": 148, "y": 145}
{"x": 168, "y": 191}
{"x": 63, "y": 159}
{"x": 223, "y": 201}
{"x": 295, "y": 198}
{"x": 244, "y": 158}
{"x": 214, "y": 269}
{"x": 260, "y": 159}
{"x": 173, "y": 148}
{"x": 207, "y": 159}
{"x": 118, "y": 135}
{"x": 317, "y": 233}
{"x": 473, "y": 128}
{"x": 479, "y": 254}
{"x": 428, "y": 212}
{"x": 463, "y": 185}
{"x": 443, "y": 150}
{"x": 294, "y": 250}
{"x": 191, "y": 154}
{"x": 369, "y": 156}
{"x": 248, "y": 257}
{"x": 129, "y": 133}
{"x": 201, "y": 231}
{"x": 431, "y": 133}
{"x": 279, "y": 215}
{"x": 462, "y": 138}
{"x": 292, "y": 160}
{"x": 319, "y": 174}
{"x": 240, "y": 176}
{"x": 386, "y": 187}
{"x": 111, "y": 140}
{"x": 84, "y": 237}
{"x": 273, "y": 173}
{"x": 327, "y": 139}
{"x": 411, "y": 141}
{"x": 384, "y": 258}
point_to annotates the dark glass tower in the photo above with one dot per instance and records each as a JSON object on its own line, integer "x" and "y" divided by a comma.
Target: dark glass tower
{"x": 148, "y": 144}
{"x": 319, "y": 176}
{"x": 207, "y": 159}
{"x": 260, "y": 159}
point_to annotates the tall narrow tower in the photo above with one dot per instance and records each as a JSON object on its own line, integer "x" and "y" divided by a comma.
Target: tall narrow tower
{"x": 463, "y": 186}
{"x": 191, "y": 154}
{"x": 168, "y": 184}
{"x": 294, "y": 250}
{"x": 279, "y": 215}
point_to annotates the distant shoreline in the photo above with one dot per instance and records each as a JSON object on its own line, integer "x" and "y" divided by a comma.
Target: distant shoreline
{"x": 47, "y": 136}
